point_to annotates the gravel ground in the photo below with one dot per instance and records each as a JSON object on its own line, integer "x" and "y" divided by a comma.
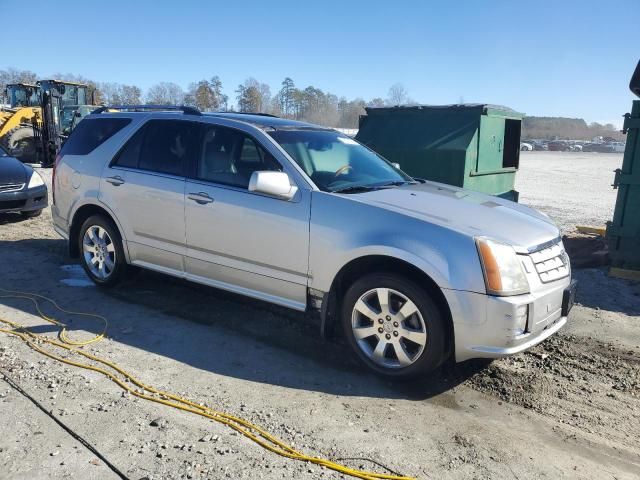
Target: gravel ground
{"x": 569, "y": 408}
{"x": 572, "y": 188}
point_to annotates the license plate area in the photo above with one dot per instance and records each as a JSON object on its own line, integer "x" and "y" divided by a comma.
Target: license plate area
{"x": 569, "y": 297}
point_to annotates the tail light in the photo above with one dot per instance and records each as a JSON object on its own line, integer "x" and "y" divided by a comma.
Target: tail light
{"x": 53, "y": 178}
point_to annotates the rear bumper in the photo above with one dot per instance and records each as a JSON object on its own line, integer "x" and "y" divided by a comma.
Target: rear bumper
{"x": 491, "y": 327}
{"x": 24, "y": 200}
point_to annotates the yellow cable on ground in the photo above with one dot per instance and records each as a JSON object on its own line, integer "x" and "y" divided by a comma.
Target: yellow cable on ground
{"x": 147, "y": 392}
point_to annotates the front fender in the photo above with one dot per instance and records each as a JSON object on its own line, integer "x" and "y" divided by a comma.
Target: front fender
{"x": 448, "y": 257}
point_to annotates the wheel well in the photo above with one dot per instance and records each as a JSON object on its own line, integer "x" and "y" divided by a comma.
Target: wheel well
{"x": 382, "y": 264}
{"x": 80, "y": 216}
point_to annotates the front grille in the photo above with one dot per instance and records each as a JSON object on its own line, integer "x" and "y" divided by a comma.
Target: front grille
{"x": 12, "y": 204}
{"x": 552, "y": 263}
{"x": 11, "y": 187}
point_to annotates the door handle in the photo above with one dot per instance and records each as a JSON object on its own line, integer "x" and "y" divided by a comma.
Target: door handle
{"x": 115, "y": 181}
{"x": 200, "y": 197}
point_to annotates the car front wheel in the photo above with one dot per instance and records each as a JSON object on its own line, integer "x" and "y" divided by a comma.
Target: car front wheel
{"x": 101, "y": 252}
{"x": 394, "y": 326}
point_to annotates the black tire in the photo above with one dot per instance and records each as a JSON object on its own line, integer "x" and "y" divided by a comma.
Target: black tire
{"x": 31, "y": 213}
{"x": 434, "y": 350}
{"x": 21, "y": 137}
{"x": 120, "y": 263}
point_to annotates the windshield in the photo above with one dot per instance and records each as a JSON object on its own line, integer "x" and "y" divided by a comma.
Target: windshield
{"x": 67, "y": 117}
{"x": 336, "y": 162}
{"x": 22, "y": 96}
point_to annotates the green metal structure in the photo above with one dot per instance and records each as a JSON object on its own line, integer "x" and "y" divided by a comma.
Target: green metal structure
{"x": 623, "y": 233}
{"x": 474, "y": 146}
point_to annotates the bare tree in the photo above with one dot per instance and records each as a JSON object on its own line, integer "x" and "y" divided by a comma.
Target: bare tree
{"x": 119, "y": 94}
{"x": 350, "y": 112}
{"x": 398, "y": 95}
{"x": 165, "y": 93}
{"x": 131, "y": 95}
{"x": 376, "y": 102}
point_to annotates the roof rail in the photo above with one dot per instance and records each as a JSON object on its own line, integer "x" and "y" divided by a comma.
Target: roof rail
{"x": 187, "y": 110}
{"x": 260, "y": 114}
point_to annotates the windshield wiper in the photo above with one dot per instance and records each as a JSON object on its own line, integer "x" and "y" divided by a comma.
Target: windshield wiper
{"x": 356, "y": 189}
{"x": 397, "y": 183}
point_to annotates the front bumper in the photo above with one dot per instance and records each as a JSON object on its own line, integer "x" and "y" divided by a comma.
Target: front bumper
{"x": 491, "y": 327}
{"x": 25, "y": 200}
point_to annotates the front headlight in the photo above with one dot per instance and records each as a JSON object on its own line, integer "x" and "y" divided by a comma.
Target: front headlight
{"x": 503, "y": 273}
{"x": 36, "y": 180}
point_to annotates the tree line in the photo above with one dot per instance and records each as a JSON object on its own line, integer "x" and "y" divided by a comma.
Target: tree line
{"x": 309, "y": 104}
{"x": 561, "y": 128}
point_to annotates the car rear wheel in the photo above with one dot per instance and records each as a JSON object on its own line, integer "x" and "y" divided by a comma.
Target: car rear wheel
{"x": 101, "y": 252}
{"x": 393, "y": 326}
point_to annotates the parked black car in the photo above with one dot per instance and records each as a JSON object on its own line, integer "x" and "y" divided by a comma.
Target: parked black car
{"x": 598, "y": 147}
{"x": 21, "y": 187}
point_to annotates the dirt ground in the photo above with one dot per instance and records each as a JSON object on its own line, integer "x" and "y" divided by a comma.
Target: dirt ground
{"x": 569, "y": 408}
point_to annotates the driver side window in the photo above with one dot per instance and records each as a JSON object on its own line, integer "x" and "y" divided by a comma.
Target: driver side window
{"x": 230, "y": 157}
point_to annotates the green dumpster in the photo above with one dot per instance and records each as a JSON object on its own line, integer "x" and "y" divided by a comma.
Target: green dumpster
{"x": 474, "y": 146}
{"x": 623, "y": 233}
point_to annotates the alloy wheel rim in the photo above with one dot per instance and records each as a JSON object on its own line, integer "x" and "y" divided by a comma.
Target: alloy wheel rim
{"x": 389, "y": 328}
{"x": 99, "y": 252}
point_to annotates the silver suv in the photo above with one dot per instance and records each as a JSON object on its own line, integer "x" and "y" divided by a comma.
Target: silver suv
{"x": 305, "y": 217}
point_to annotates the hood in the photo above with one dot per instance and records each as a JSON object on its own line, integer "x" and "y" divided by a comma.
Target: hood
{"x": 468, "y": 212}
{"x": 13, "y": 170}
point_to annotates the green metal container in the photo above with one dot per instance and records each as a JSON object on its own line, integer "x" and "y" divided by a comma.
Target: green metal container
{"x": 623, "y": 233}
{"x": 473, "y": 146}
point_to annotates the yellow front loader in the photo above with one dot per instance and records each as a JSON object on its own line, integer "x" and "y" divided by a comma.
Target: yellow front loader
{"x": 17, "y": 121}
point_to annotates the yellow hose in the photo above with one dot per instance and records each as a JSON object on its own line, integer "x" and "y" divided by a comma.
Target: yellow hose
{"x": 147, "y": 392}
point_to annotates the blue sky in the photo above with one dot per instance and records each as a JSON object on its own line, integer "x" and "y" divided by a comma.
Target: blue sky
{"x": 566, "y": 58}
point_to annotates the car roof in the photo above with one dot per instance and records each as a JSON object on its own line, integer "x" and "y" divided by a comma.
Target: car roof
{"x": 263, "y": 121}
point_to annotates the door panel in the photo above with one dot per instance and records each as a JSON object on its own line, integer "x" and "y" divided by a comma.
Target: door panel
{"x": 250, "y": 243}
{"x": 144, "y": 186}
{"x": 491, "y": 144}
{"x": 150, "y": 208}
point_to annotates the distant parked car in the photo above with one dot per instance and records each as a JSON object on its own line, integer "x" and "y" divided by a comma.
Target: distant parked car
{"x": 558, "y": 146}
{"x": 525, "y": 147}
{"x": 22, "y": 189}
{"x": 598, "y": 147}
{"x": 618, "y": 147}
{"x": 540, "y": 146}
{"x": 576, "y": 147}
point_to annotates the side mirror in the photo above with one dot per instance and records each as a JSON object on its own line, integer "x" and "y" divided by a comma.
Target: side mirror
{"x": 396, "y": 165}
{"x": 275, "y": 184}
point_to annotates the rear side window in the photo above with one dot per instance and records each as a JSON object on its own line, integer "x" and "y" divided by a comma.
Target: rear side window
{"x": 130, "y": 154}
{"x": 90, "y": 133}
{"x": 163, "y": 146}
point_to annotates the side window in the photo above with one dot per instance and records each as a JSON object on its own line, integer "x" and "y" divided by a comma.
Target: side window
{"x": 130, "y": 154}
{"x": 249, "y": 152}
{"x": 168, "y": 146}
{"x": 91, "y": 133}
{"x": 230, "y": 157}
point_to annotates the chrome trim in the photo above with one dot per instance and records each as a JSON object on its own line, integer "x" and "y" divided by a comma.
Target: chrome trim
{"x": 544, "y": 245}
{"x": 11, "y": 187}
